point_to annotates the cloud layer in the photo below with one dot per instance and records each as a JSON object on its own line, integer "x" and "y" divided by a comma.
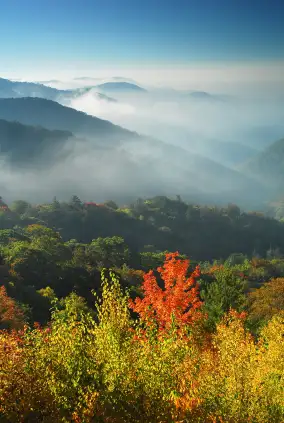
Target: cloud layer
{"x": 207, "y": 126}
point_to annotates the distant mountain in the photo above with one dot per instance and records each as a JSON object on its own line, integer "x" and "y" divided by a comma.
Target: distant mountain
{"x": 202, "y": 95}
{"x": 192, "y": 173}
{"x": 12, "y": 89}
{"x": 17, "y": 89}
{"x": 122, "y": 78}
{"x": 120, "y": 87}
{"x": 184, "y": 96}
{"x": 50, "y": 81}
{"x": 22, "y": 144}
{"x": 228, "y": 153}
{"x": 78, "y": 92}
{"x": 86, "y": 78}
{"x": 116, "y": 160}
{"x": 52, "y": 115}
{"x": 268, "y": 166}
{"x": 260, "y": 136}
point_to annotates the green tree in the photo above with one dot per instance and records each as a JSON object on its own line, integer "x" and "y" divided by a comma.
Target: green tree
{"x": 224, "y": 290}
{"x": 75, "y": 202}
{"x": 109, "y": 252}
{"x": 20, "y": 207}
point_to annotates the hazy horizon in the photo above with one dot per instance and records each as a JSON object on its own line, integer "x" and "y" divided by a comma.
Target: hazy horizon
{"x": 256, "y": 79}
{"x": 234, "y": 52}
{"x": 197, "y": 44}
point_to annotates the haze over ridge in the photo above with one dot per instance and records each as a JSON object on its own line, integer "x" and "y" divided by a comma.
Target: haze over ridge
{"x": 213, "y": 96}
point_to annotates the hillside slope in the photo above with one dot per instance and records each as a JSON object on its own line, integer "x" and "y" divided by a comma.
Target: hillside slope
{"x": 268, "y": 166}
{"x": 22, "y": 144}
{"x": 118, "y": 160}
{"x": 52, "y": 115}
{"x": 17, "y": 89}
{"x": 228, "y": 153}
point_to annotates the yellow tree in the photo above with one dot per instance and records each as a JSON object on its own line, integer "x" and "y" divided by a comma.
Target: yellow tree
{"x": 266, "y": 302}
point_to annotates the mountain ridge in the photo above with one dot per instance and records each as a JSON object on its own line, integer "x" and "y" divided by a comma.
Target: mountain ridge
{"x": 24, "y": 144}
{"x": 53, "y": 115}
{"x": 19, "y": 89}
{"x": 120, "y": 86}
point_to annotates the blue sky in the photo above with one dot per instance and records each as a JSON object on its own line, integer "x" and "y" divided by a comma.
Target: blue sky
{"x": 139, "y": 32}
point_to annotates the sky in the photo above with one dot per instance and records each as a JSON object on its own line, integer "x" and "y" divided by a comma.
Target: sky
{"x": 149, "y": 39}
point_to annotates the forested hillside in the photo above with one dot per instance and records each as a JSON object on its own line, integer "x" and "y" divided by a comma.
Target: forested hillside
{"x": 64, "y": 246}
{"x": 52, "y": 115}
{"x": 142, "y": 211}
{"x": 160, "y": 310}
{"x": 117, "y": 161}
{"x": 112, "y": 327}
{"x": 201, "y": 232}
{"x": 26, "y": 145}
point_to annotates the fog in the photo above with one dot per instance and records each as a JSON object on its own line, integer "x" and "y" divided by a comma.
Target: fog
{"x": 82, "y": 169}
{"x": 202, "y": 142}
{"x": 205, "y": 125}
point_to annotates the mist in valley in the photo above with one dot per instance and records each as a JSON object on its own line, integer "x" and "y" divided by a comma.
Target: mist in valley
{"x": 193, "y": 144}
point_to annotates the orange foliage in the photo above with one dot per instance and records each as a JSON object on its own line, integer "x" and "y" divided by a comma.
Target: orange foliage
{"x": 10, "y": 314}
{"x": 177, "y": 302}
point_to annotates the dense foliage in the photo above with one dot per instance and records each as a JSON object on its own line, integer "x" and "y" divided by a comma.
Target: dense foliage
{"x": 201, "y": 232}
{"x": 129, "y": 332}
{"x": 108, "y": 368}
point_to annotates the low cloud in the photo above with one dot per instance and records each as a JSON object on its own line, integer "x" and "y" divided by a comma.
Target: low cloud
{"x": 252, "y": 117}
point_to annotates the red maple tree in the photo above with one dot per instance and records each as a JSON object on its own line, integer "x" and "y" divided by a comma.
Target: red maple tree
{"x": 178, "y": 301}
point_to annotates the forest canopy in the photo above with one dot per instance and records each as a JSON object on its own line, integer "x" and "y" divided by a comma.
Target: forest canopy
{"x": 157, "y": 311}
